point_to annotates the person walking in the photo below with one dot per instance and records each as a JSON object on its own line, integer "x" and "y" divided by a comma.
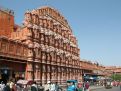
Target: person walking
{"x": 80, "y": 87}
{"x": 41, "y": 88}
{"x": 2, "y": 85}
{"x": 71, "y": 87}
{"x": 7, "y": 87}
{"x": 47, "y": 86}
{"x": 87, "y": 86}
{"x": 11, "y": 85}
{"x": 25, "y": 88}
{"x": 52, "y": 87}
{"x": 57, "y": 87}
{"x": 34, "y": 87}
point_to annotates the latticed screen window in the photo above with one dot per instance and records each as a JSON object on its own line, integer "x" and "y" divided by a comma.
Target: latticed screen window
{"x": 25, "y": 52}
{"x": 39, "y": 52}
{"x": 18, "y": 50}
{"x": 48, "y": 57}
{"x": 46, "y": 39}
{"x": 42, "y": 38}
{"x": 11, "y": 48}
{"x": 3, "y": 47}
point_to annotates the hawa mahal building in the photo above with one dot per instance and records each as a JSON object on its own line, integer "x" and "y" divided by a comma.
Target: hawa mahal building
{"x": 43, "y": 49}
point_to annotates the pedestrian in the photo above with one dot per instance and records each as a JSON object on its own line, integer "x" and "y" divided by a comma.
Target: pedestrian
{"x": 7, "y": 87}
{"x": 52, "y": 87}
{"x": 34, "y": 87}
{"x": 57, "y": 87}
{"x": 71, "y": 87}
{"x": 11, "y": 85}
{"x": 25, "y": 88}
{"x": 2, "y": 85}
{"x": 47, "y": 86}
{"x": 41, "y": 88}
{"x": 87, "y": 86}
{"x": 83, "y": 86}
{"x": 14, "y": 88}
{"x": 19, "y": 87}
{"x": 80, "y": 87}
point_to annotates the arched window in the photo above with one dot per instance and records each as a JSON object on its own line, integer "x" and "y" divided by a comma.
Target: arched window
{"x": 46, "y": 39}
{"x": 45, "y": 23}
{"x": 41, "y": 22}
{"x": 48, "y": 57}
{"x": 42, "y": 38}
{"x": 34, "y": 19}
{"x": 3, "y": 47}
{"x": 43, "y": 57}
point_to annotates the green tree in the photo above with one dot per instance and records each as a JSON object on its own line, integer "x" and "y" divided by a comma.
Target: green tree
{"x": 116, "y": 77}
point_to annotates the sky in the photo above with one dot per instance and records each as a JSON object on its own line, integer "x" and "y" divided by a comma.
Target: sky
{"x": 95, "y": 23}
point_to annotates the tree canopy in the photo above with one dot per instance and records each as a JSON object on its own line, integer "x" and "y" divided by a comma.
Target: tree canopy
{"x": 116, "y": 77}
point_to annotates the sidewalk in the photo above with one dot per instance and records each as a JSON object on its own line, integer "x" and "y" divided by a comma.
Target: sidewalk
{"x": 96, "y": 87}
{"x": 91, "y": 88}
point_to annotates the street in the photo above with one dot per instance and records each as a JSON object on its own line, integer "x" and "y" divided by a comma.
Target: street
{"x": 113, "y": 89}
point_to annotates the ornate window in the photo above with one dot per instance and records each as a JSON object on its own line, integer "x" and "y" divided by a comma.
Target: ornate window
{"x": 43, "y": 57}
{"x": 64, "y": 46}
{"x": 51, "y": 25}
{"x": 11, "y": 48}
{"x": 48, "y": 58}
{"x": 45, "y": 23}
{"x": 53, "y": 40}
{"x": 41, "y": 22}
{"x": 59, "y": 42}
{"x": 48, "y": 68}
{"x": 44, "y": 68}
{"x": 67, "y": 61}
{"x": 28, "y": 18}
{"x": 58, "y": 59}
{"x": 35, "y": 33}
{"x": 37, "y": 20}
{"x": 46, "y": 39}
{"x": 54, "y": 28}
{"x": 25, "y": 52}
{"x": 34, "y": 19}
{"x": 3, "y": 47}
{"x": 18, "y": 50}
{"x": 68, "y": 48}
{"x": 50, "y": 40}
{"x": 59, "y": 70}
{"x": 56, "y": 43}
{"x": 42, "y": 38}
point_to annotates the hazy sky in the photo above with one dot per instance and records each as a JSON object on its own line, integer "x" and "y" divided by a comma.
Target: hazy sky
{"x": 95, "y": 23}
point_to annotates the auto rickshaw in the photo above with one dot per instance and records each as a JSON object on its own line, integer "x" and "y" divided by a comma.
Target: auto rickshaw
{"x": 108, "y": 84}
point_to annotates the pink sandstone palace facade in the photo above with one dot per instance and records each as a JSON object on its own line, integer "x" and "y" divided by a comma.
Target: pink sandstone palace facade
{"x": 43, "y": 49}
{"x": 56, "y": 53}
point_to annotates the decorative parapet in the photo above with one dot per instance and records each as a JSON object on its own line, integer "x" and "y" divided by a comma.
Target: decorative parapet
{"x": 11, "y": 12}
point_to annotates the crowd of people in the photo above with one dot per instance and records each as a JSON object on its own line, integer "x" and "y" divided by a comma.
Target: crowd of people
{"x": 72, "y": 86}
{"x": 11, "y": 86}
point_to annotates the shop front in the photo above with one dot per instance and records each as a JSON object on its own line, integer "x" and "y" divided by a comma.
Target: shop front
{"x": 12, "y": 71}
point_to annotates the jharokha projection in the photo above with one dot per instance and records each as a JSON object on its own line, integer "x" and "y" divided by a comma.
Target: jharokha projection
{"x": 53, "y": 54}
{"x": 43, "y": 49}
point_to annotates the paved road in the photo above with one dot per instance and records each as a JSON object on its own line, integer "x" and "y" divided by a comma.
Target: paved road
{"x": 113, "y": 89}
